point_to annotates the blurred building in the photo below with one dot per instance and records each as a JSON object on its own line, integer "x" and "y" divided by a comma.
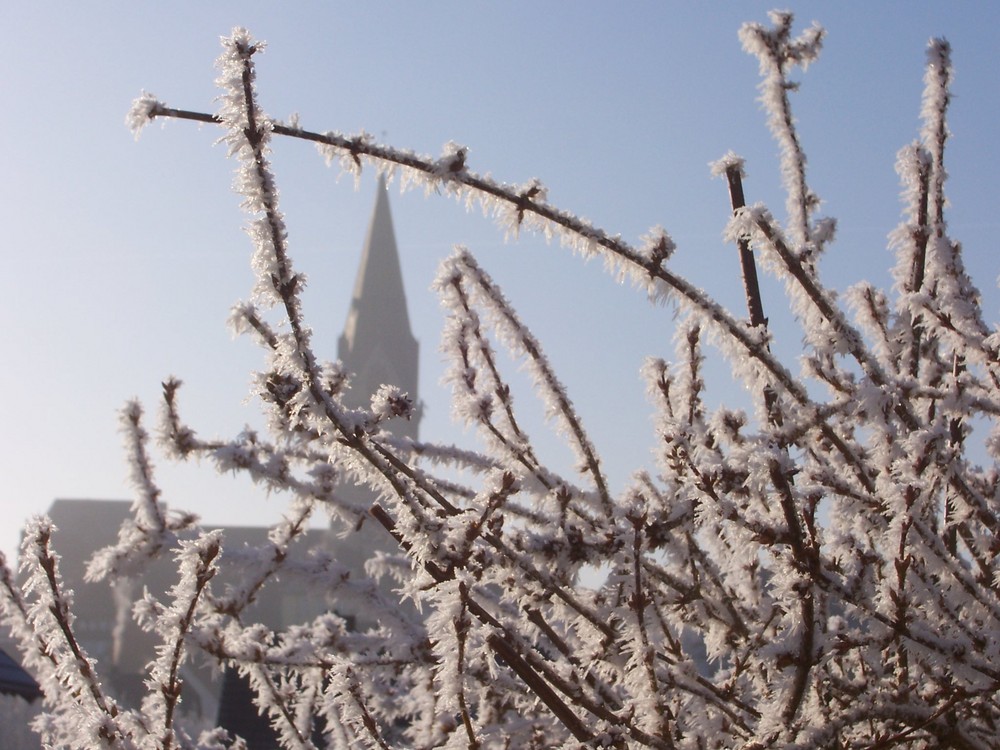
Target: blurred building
{"x": 376, "y": 347}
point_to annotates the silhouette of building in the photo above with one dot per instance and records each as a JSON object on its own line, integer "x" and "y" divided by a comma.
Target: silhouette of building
{"x": 377, "y": 346}
{"x": 103, "y": 624}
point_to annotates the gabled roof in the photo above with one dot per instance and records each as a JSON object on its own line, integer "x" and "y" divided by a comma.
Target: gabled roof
{"x": 15, "y": 681}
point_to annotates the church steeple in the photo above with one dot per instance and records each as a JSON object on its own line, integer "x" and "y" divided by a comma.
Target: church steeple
{"x": 377, "y": 345}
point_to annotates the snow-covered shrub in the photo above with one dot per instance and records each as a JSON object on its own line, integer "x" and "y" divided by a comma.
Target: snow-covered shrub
{"x": 820, "y": 572}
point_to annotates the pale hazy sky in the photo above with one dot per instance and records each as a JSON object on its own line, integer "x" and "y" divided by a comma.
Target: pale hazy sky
{"x": 122, "y": 259}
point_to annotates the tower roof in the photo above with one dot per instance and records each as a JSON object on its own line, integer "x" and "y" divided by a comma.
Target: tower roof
{"x": 377, "y": 346}
{"x": 379, "y": 296}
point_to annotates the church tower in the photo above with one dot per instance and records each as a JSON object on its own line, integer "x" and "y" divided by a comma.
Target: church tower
{"x": 377, "y": 345}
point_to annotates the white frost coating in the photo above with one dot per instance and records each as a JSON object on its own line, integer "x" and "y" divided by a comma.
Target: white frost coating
{"x": 390, "y": 401}
{"x": 819, "y": 572}
{"x": 657, "y": 247}
{"x": 141, "y": 113}
{"x": 777, "y": 52}
{"x": 731, "y": 160}
{"x": 464, "y": 287}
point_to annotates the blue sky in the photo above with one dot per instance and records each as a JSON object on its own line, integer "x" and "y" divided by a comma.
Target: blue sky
{"x": 122, "y": 259}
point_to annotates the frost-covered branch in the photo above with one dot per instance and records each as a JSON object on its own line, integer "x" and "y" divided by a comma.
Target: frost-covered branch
{"x": 820, "y": 573}
{"x": 777, "y": 53}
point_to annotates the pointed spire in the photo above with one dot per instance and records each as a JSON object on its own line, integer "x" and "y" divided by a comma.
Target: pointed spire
{"x": 378, "y": 345}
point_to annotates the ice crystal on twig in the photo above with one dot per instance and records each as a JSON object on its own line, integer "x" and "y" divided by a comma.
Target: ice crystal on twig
{"x": 819, "y": 572}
